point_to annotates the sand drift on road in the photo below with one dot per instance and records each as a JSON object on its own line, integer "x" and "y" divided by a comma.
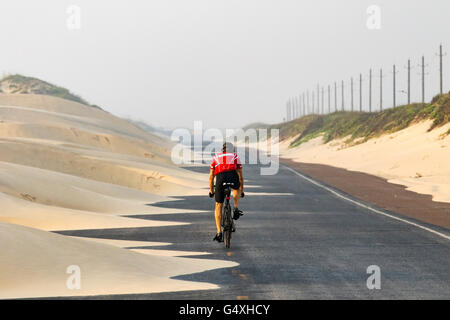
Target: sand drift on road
{"x": 68, "y": 166}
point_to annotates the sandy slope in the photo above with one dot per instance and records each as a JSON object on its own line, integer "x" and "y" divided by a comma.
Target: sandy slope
{"x": 67, "y": 166}
{"x": 34, "y": 264}
{"x": 412, "y": 157}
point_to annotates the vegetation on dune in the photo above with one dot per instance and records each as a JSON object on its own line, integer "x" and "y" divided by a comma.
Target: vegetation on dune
{"x": 256, "y": 125}
{"x": 361, "y": 126}
{"x": 18, "y": 84}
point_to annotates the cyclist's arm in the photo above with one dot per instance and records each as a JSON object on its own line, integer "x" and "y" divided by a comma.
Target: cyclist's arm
{"x": 241, "y": 178}
{"x": 211, "y": 181}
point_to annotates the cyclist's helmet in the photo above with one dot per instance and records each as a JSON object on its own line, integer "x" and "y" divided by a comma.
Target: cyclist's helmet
{"x": 227, "y": 147}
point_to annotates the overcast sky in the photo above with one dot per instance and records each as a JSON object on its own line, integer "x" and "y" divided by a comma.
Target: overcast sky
{"x": 226, "y": 62}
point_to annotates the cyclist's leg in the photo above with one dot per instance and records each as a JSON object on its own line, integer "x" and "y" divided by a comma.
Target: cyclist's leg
{"x": 236, "y": 197}
{"x": 218, "y": 215}
{"x": 236, "y": 189}
{"x": 220, "y": 197}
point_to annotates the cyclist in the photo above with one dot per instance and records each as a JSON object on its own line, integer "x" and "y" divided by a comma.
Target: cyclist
{"x": 226, "y": 167}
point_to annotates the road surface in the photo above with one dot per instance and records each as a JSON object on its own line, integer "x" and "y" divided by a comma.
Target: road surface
{"x": 298, "y": 240}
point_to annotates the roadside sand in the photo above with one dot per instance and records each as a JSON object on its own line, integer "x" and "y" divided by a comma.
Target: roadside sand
{"x": 34, "y": 264}
{"x": 412, "y": 157}
{"x": 67, "y": 166}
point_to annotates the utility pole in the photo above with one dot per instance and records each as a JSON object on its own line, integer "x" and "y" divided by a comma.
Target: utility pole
{"x": 360, "y": 92}
{"x": 304, "y": 105}
{"x": 318, "y": 99}
{"x": 423, "y": 79}
{"x": 342, "y": 89}
{"x": 313, "y": 100}
{"x": 335, "y": 97}
{"x": 381, "y": 89}
{"x": 307, "y": 101}
{"x": 409, "y": 81}
{"x": 322, "y": 100}
{"x": 296, "y": 107}
{"x": 287, "y": 111}
{"x": 290, "y": 109}
{"x": 294, "y": 114}
{"x": 440, "y": 68}
{"x": 394, "y": 73}
{"x": 329, "y": 99}
{"x": 370, "y": 90}
{"x": 351, "y": 85}
{"x": 293, "y": 108}
{"x": 299, "y": 97}
{"x": 441, "y": 55}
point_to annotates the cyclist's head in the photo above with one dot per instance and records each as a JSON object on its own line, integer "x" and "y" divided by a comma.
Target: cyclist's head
{"x": 227, "y": 147}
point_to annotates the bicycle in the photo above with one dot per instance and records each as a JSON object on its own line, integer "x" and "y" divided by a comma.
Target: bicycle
{"x": 227, "y": 221}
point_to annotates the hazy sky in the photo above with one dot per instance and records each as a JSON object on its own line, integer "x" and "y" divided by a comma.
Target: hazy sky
{"x": 226, "y": 62}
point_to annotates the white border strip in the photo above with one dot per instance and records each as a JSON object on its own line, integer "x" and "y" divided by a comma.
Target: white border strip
{"x": 367, "y": 207}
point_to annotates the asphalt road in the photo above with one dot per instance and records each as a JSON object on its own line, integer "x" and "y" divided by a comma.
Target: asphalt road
{"x": 306, "y": 244}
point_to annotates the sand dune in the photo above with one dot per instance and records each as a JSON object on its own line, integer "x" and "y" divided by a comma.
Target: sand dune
{"x": 34, "y": 264}
{"x": 412, "y": 157}
{"x": 68, "y": 166}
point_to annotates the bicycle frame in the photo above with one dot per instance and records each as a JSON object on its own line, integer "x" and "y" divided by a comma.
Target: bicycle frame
{"x": 227, "y": 222}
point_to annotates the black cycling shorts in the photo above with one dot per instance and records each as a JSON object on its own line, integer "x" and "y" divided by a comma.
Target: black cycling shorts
{"x": 229, "y": 177}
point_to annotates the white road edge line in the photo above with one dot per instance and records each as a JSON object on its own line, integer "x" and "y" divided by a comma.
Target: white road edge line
{"x": 367, "y": 207}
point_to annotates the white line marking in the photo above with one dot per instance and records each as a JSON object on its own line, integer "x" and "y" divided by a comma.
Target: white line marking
{"x": 367, "y": 207}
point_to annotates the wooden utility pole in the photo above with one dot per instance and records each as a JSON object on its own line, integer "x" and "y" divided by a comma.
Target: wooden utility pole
{"x": 296, "y": 108}
{"x": 394, "y": 73}
{"x": 342, "y": 93}
{"x": 440, "y": 70}
{"x": 335, "y": 97}
{"x": 318, "y": 99}
{"x": 304, "y": 105}
{"x": 360, "y": 92}
{"x": 351, "y": 85}
{"x": 329, "y": 99}
{"x": 423, "y": 79}
{"x": 313, "y": 100}
{"x": 381, "y": 89}
{"x": 370, "y": 90}
{"x": 307, "y": 102}
{"x": 409, "y": 81}
{"x": 293, "y": 108}
{"x": 300, "y": 108}
{"x": 288, "y": 112}
{"x": 290, "y": 109}
{"x": 322, "y": 100}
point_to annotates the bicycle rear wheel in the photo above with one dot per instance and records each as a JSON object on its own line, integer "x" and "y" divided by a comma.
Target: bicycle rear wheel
{"x": 227, "y": 225}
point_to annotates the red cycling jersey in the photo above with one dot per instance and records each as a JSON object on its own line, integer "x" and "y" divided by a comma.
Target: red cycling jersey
{"x": 224, "y": 162}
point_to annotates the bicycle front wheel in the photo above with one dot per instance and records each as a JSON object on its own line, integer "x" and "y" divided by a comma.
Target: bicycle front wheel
{"x": 228, "y": 226}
